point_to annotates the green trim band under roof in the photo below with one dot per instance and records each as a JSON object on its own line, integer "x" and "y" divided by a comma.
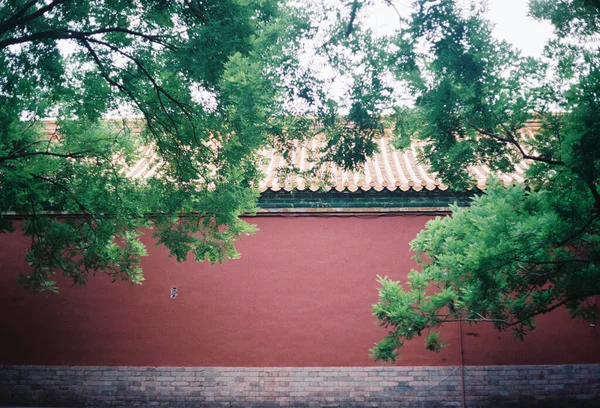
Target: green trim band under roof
{"x": 362, "y": 199}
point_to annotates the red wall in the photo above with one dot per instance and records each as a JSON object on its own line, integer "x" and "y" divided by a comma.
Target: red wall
{"x": 299, "y": 296}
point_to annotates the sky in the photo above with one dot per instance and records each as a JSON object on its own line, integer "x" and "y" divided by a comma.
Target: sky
{"x": 514, "y": 26}
{"x": 510, "y": 19}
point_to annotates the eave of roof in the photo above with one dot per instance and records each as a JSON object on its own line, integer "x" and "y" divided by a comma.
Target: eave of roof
{"x": 397, "y": 177}
{"x": 387, "y": 170}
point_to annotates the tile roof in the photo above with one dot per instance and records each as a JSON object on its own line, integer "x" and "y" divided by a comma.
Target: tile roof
{"x": 388, "y": 169}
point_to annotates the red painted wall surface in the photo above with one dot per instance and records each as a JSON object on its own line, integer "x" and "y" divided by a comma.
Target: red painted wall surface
{"x": 299, "y": 296}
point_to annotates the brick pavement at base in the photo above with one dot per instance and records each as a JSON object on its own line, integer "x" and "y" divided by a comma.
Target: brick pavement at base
{"x": 268, "y": 387}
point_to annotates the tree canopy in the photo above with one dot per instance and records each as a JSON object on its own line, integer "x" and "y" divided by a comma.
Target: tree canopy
{"x": 518, "y": 251}
{"x": 80, "y": 61}
{"x": 204, "y": 85}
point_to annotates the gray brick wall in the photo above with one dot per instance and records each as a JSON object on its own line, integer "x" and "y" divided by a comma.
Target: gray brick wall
{"x": 493, "y": 386}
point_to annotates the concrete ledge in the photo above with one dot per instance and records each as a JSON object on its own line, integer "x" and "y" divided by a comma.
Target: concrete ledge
{"x": 485, "y": 386}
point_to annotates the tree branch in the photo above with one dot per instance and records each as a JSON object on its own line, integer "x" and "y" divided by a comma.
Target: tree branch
{"x": 355, "y": 6}
{"x": 517, "y": 322}
{"x": 594, "y": 191}
{"x": 579, "y": 231}
{"x": 147, "y": 115}
{"x": 482, "y": 320}
{"x": 67, "y": 190}
{"x": 555, "y": 262}
{"x": 515, "y": 143}
{"x": 159, "y": 89}
{"x": 16, "y": 15}
{"x": 76, "y": 155}
{"x": 67, "y": 34}
{"x": 392, "y": 5}
{"x": 15, "y": 20}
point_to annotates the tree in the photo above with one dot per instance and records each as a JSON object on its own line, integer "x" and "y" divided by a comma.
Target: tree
{"x": 80, "y": 61}
{"x": 518, "y": 251}
{"x": 204, "y": 85}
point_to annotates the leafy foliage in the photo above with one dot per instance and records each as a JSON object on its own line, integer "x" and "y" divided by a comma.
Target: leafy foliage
{"x": 83, "y": 62}
{"x": 209, "y": 82}
{"x": 520, "y": 250}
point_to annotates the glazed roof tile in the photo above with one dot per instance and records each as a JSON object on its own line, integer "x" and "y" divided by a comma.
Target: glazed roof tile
{"x": 388, "y": 169}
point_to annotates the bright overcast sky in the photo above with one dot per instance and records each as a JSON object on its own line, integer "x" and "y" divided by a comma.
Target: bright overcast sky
{"x": 515, "y": 26}
{"x": 509, "y": 17}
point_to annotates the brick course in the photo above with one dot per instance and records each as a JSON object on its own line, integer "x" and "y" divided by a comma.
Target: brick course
{"x": 485, "y": 386}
